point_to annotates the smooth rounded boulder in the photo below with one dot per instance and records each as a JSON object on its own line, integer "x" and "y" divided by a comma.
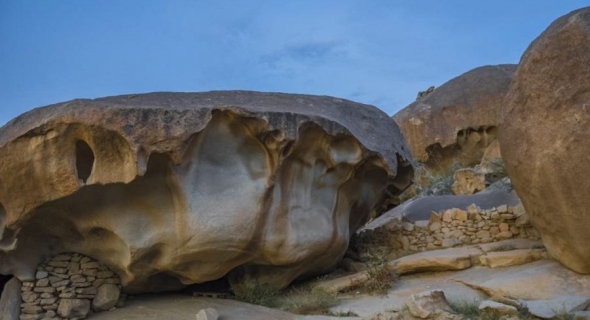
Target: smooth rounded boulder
{"x": 545, "y": 141}
{"x": 457, "y": 121}
{"x": 171, "y": 189}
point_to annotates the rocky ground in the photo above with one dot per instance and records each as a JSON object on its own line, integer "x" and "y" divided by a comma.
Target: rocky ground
{"x": 450, "y": 286}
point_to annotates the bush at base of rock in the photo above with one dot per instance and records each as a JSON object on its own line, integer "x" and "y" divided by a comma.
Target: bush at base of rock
{"x": 68, "y": 286}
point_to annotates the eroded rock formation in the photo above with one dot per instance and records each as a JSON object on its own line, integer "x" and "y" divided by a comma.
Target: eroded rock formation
{"x": 544, "y": 137}
{"x": 458, "y": 120}
{"x": 170, "y": 189}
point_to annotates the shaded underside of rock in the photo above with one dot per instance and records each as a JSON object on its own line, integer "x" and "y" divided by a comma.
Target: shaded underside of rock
{"x": 458, "y": 120}
{"x": 169, "y": 189}
{"x": 544, "y": 137}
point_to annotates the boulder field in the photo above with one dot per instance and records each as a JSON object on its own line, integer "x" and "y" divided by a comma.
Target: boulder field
{"x": 544, "y": 137}
{"x": 171, "y": 189}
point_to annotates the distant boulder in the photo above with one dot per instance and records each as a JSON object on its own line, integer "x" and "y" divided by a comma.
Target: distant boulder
{"x": 456, "y": 122}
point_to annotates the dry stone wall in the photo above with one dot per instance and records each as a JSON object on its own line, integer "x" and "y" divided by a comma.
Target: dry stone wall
{"x": 450, "y": 228}
{"x": 70, "y": 286}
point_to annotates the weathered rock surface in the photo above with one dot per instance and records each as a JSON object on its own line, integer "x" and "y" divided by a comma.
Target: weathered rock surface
{"x": 512, "y": 258}
{"x": 10, "y": 301}
{"x": 436, "y": 260}
{"x": 539, "y": 280}
{"x": 458, "y": 120}
{"x": 169, "y": 189}
{"x": 451, "y": 259}
{"x": 73, "y": 308}
{"x": 428, "y": 304}
{"x": 495, "y": 310}
{"x": 492, "y": 159}
{"x": 550, "y": 309}
{"x": 106, "y": 297}
{"x": 468, "y": 181}
{"x": 544, "y": 134}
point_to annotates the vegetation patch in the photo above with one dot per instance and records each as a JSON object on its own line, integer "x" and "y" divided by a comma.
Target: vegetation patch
{"x": 299, "y": 300}
{"x": 259, "y": 294}
{"x": 426, "y": 182}
{"x": 466, "y": 308}
{"x": 504, "y": 247}
{"x": 380, "y": 277}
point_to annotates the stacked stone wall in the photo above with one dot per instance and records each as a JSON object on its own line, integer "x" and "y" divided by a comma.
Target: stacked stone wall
{"x": 450, "y": 228}
{"x": 70, "y": 286}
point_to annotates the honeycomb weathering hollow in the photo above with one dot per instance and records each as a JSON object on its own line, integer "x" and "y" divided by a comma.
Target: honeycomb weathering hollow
{"x": 172, "y": 189}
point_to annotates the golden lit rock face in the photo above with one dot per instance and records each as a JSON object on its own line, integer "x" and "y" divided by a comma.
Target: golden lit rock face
{"x": 457, "y": 121}
{"x": 169, "y": 189}
{"x": 544, "y": 137}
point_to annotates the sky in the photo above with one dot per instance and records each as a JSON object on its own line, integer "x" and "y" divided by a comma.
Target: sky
{"x": 375, "y": 52}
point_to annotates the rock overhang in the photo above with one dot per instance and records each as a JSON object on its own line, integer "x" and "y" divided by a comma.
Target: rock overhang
{"x": 92, "y": 148}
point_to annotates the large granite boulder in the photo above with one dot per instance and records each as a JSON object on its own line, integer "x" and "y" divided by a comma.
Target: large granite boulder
{"x": 544, "y": 137}
{"x": 170, "y": 189}
{"x": 457, "y": 121}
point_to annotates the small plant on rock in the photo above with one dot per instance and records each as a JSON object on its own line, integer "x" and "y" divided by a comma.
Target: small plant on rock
{"x": 468, "y": 309}
{"x": 562, "y": 314}
{"x": 380, "y": 277}
{"x": 305, "y": 301}
{"x": 427, "y": 182}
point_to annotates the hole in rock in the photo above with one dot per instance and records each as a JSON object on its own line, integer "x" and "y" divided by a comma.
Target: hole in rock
{"x": 84, "y": 160}
{"x": 3, "y": 280}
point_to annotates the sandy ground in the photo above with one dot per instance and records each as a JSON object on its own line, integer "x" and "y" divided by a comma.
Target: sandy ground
{"x": 183, "y": 307}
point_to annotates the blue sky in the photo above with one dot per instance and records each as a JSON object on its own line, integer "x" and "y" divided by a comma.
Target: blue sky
{"x": 376, "y": 52}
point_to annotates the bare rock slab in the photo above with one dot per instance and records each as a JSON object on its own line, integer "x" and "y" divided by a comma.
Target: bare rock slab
{"x": 512, "y": 257}
{"x": 539, "y": 280}
{"x": 549, "y": 309}
{"x": 436, "y": 260}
